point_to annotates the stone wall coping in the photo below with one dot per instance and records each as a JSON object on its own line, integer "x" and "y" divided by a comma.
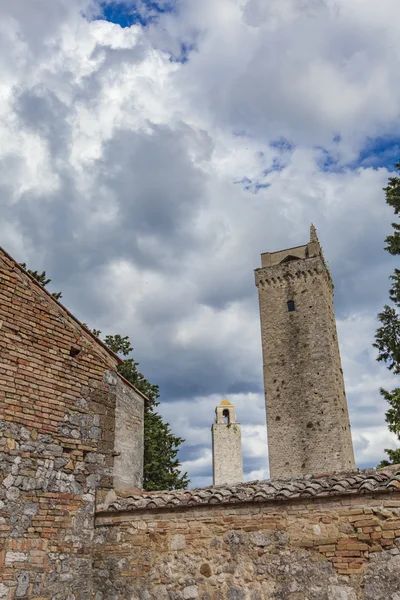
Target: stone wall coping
{"x": 356, "y": 482}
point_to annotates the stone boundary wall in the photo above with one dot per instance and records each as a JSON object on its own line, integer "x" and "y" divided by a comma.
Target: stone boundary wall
{"x": 329, "y": 538}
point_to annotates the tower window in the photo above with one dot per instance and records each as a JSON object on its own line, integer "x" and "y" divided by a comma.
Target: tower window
{"x": 225, "y": 414}
{"x": 291, "y": 306}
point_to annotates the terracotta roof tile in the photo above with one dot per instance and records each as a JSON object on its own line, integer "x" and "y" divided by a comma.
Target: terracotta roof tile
{"x": 309, "y": 486}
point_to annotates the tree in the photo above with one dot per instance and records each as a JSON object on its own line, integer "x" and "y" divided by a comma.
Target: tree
{"x": 41, "y": 278}
{"x": 161, "y": 466}
{"x": 387, "y": 337}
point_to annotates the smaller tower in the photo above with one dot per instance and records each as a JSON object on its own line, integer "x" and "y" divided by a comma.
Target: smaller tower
{"x": 227, "y": 446}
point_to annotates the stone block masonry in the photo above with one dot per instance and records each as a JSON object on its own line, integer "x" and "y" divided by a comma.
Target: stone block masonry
{"x": 226, "y": 446}
{"x": 323, "y": 538}
{"x": 65, "y": 416}
{"x": 307, "y": 416}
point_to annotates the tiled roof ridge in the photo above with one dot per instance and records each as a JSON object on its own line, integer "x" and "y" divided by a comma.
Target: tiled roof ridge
{"x": 282, "y": 489}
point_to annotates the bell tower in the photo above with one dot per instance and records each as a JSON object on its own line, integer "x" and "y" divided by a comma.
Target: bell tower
{"x": 226, "y": 446}
{"x": 307, "y": 416}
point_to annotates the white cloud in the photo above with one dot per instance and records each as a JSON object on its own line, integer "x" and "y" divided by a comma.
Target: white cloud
{"x": 306, "y": 70}
{"x": 148, "y": 188}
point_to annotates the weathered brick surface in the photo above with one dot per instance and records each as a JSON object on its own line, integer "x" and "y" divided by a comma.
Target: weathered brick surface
{"x": 60, "y": 405}
{"x": 307, "y": 549}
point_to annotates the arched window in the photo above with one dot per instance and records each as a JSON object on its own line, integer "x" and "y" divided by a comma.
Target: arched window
{"x": 291, "y": 306}
{"x": 225, "y": 414}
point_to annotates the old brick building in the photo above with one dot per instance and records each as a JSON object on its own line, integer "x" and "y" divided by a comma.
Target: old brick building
{"x": 68, "y": 425}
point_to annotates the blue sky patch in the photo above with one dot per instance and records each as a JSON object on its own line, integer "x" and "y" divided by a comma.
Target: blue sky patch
{"x": 131, "y": 12}
{"x": 328, "y": 162}
{"x": 252, "y": 186}
{"x": 185, "y": 50}
{"x": 277, "y": 165}
{"x": 282, "y": 144}
{"x": 382, "y": 151}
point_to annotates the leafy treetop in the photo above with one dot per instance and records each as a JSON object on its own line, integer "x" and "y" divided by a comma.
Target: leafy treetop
{"x": 387, "y": 337}
{"x": 41, "y": 278}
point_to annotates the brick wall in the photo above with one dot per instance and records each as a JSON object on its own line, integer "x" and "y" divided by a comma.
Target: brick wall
{"x": 306, "y": 549}
{"x": 63, "y": 412}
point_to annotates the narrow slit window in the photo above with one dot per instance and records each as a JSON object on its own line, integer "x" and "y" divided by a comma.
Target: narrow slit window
{"x": 291, "y": 306}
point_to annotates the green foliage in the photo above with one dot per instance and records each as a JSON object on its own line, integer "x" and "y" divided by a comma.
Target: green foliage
{"x": 161, "y": 446}
{"x": 42, "y": 279}
{"x": 387, "y": 337}
{"x": 128, "y": 369}
{"x": 393, "y": 199}
{"x": 161, "y": 465}
{"x": 394, "y": 458}
{"x": 393, "y": 414}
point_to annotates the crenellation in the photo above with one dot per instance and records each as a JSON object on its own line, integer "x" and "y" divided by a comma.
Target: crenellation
{"x": 274, "y": 276}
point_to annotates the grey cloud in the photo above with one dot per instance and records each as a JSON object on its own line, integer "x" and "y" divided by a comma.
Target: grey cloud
{"x": 159, "y": 196}
{"x": 303, "y": 70}
{"x": 159, "y": 190}
{"x": 254, "y": 463}
{"x": 366, "y": 415}
{"x": 156, "y": 188}
{"x": 191, "y": 452}
{"x": 41, "y": 21}
{"x": 201, "y": 372}
{"x": 118, "y": 58}
{"x": 40, "y": 110}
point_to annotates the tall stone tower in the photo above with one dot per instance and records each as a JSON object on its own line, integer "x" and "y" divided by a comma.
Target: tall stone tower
{"x": 226, "y": 446}
{"x": 307, "y": 417}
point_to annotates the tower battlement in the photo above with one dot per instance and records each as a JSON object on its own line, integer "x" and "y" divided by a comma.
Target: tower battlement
{"x": 295, "y": 269}
{"x": 310, "y": 250}
{"x": 307, "y": 416}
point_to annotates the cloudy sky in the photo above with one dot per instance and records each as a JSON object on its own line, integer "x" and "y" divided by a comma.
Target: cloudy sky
{"x": 150, "y": 151}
